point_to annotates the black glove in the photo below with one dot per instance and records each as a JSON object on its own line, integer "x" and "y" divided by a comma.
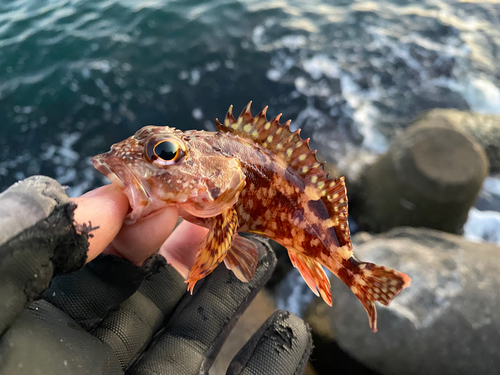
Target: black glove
{"x": 112, "y": 317}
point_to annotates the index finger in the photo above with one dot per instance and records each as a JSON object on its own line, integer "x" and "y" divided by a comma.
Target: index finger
{"x": 105, "y": 208}
{"x": 137, "y": 242}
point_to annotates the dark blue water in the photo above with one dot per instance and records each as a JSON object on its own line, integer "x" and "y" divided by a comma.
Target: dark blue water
{"x": 77, "y": 76}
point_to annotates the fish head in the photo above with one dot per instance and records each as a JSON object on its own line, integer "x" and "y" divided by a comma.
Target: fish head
{"x": 160, "y": 166}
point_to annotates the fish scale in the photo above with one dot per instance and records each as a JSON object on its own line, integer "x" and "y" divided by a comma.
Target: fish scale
{"x": 252, "y": 175}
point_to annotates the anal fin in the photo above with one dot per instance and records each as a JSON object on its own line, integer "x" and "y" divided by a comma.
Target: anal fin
{"x": 242, "y": 258}
{"x": 313, "y": 275}
{"x": 214, "y": 246}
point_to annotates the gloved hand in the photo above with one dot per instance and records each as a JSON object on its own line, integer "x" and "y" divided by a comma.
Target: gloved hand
{"x": 113, "y": 316}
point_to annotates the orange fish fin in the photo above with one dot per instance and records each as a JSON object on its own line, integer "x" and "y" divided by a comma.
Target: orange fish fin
{"x": 313, "y": 275}
{"x": 214, "y": 247}
{"x": 335, "y": 200}
{"x": 276, "y": 137}
{"x": 376, "y": 283}
{"x": 242, "y": 258}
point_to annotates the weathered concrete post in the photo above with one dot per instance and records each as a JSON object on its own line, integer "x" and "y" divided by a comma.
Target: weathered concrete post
{"x": 430, "y": 177}
{"x": 484, "y": 129}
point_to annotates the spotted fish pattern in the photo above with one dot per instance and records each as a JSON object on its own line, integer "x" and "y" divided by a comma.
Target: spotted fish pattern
{"x": 252, "y": 175}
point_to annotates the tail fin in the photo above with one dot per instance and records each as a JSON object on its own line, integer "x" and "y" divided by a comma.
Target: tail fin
{"x": 377, "y": 283}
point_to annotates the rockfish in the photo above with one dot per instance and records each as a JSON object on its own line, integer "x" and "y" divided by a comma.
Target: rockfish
{"x": 252, "y": 175}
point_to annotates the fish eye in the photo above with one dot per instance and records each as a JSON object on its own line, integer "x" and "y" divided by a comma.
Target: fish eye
{"x": 165, "y": 152}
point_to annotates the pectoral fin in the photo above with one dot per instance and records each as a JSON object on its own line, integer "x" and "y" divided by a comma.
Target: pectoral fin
{"x": 214, "y": 246}
{"x": 313, "y": 275}
{"x": 218, "y": 197}
{"x": 242, "y": 258}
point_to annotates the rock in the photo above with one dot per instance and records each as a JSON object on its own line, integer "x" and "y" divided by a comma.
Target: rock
{"x": 318, "y": 317}
{"x": 485, "y": 129}
{"x": 327, "y": 357}
{"x": 446, "y": 322}
{"x": 430, "y": 177}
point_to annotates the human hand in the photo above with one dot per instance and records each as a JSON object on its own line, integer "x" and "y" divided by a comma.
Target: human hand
{"x": 106, "y": 319}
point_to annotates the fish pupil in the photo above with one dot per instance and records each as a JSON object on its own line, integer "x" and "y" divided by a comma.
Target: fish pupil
{"x": 166, "y": 150}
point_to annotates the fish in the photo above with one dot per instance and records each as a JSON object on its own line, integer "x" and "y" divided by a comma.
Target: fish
{"x": 252, "y": 175}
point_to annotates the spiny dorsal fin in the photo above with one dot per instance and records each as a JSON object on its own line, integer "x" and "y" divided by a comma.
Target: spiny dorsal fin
{"x": 296, "y": 152}
{"x": 275, "y": 137}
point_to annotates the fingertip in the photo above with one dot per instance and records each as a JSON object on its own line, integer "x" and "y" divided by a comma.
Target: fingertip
{"x": 101, "y": 191}
{"x": 137, "y": 242}
{"x": 104, "y": 209}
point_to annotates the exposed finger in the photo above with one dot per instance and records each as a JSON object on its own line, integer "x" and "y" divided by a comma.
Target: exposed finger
{"x": 138, "y": 241}
{"x": 282, "y": 345}
{"x": 191, "y": 340}
{"x": 105, "y": 208}
{"x": 181, "y": 247}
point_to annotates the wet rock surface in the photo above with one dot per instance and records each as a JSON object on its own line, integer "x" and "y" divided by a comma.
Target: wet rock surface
{"x": 446, "y": 322}
{"x": 327, "y": 357}
{"x": 430, "y": 177}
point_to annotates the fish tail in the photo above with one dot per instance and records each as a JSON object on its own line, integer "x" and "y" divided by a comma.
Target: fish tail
{"x": 371, "y": 283}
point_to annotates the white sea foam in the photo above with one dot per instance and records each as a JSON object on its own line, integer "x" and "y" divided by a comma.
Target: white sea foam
{"x": 273, "y": 75}
{"x": 481, "y": 93}
{"x": 483, "y": 226}
{"x": 77, "y": 189}
{"x": 492, "y": 185}
{"x": 195, "y": 77}
{"x": 197, "y": 113}
{"x": 365, "y": 114}
{"x": 164, "y": 89}
{"x": 69, "y": 169}
{"x": 320, "y": 65}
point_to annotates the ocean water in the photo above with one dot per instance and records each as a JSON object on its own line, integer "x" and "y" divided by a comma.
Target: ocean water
{"x": 77, "y": 76}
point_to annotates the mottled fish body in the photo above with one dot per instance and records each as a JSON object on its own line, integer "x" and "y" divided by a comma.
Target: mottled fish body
{"x": 252, "y": 175}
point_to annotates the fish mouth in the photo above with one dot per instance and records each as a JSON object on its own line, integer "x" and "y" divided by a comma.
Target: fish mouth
{"x": 107, "y": 171}
{"x": 137, "y": 190}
